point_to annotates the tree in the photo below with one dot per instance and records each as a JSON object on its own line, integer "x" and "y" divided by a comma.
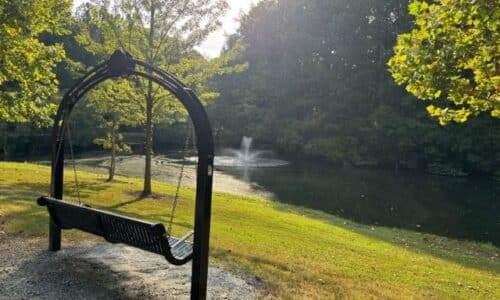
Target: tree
{"x": 159, "y": 32}
{"x": 114, "y": 107}
{"x": 27, "y": 79}
{"x": 318, "y": 67}
{"x": 451, "y": 58}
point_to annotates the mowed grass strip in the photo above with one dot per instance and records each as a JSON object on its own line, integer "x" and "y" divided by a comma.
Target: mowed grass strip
{"x": 296, "y": 252}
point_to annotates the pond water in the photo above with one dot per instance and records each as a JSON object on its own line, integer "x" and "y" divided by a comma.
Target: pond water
{"x": 453, "y": 207}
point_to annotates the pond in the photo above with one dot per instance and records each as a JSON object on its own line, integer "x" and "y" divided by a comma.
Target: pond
{"x": 453, "y": 207}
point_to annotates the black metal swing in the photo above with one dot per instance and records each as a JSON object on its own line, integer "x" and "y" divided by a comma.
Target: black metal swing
{"x": 116, "y": 228}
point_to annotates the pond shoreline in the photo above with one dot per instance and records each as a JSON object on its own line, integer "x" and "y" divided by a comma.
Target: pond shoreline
{"x": 414, "y": 201}
{"x": 166, "y": 169}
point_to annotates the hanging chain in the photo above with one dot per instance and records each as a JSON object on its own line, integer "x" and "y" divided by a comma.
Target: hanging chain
{"x": 77, "y": 185}
{"x": 179, "y": 182}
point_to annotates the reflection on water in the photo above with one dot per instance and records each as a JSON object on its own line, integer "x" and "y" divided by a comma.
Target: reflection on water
{"x": 453, "y": 207}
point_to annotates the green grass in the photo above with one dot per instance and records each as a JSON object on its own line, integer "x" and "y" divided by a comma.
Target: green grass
{"x": 296, "y": 252}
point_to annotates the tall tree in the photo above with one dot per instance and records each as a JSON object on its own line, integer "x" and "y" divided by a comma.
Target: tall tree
{"x": 161, "y": 32}
{"x": 451, "y": 58}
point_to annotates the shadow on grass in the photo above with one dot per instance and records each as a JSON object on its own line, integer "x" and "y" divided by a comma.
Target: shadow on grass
{"x": 228, "y": 255}
{"x": 116, "y": 207}
{"x": 69, "y": 189}
{"x": 160, "y": 216}
{"x": 28, "y": 218}
{"x": 139, "y": 197}
{"x": 19, "y": 202}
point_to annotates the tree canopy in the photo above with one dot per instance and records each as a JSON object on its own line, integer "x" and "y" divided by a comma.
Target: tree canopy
{"x": 27, "y": 78}
{"x": 318, "y": 87}
{"x": 451, "y": 58}
{"x": 164, "y": 34}
{"x": 114, "y": 105}
{"x": 306, "y": 78}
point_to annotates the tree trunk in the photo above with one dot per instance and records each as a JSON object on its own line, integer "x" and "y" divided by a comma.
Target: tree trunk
{"x": 8, "y": 128}
{"x": 148, "y": 146}
{"x": 112, "y": 165}
{"x": 4, "y": 145}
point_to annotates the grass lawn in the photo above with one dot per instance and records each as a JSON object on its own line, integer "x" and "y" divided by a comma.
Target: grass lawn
{"x": 298, "y": 253}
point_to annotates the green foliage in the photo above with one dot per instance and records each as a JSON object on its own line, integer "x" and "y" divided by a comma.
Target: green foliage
{"x": 306, "y": 78}
{"x": 164, "y": 34}
{"x": 317, "y": 86}
{"x": 165, "y": 45}
{"x": 115, "y": 104}
{"x": 156, "y": 31}
{"x": 27, "y": 80}
{"x": 113, "y": 142}
{"x": 452, "y": 53}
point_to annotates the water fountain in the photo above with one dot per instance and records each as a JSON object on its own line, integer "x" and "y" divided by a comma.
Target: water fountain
{"x": 244, "y": 153}
{"x": 245, "y": 157}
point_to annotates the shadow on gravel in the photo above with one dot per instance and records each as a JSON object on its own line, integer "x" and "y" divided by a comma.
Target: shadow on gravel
{"x": 48, "y": 275}
{"x": 103, "y": 271}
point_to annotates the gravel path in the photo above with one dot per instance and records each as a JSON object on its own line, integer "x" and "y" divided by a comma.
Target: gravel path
{"x": 98, "y": 270}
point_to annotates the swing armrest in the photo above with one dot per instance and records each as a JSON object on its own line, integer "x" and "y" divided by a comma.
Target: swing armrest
{"x": 182, "y": 239}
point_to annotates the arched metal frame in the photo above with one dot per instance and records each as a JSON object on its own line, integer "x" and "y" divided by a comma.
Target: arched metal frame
{"x": 123, "y": 64}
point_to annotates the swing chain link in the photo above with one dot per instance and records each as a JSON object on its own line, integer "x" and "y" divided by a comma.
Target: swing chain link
{"x": 70, "y": 143}
{"x": 179, "y": 181}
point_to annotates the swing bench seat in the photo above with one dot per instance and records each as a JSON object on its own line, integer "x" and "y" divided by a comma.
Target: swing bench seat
{"x": 116, "y": 228}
